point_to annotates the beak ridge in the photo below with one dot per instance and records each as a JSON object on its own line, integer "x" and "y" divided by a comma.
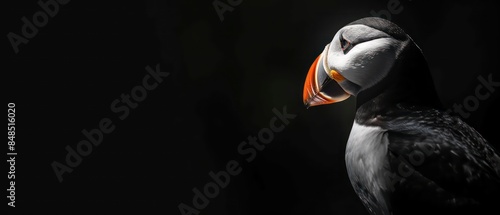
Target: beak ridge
{"x": 320, "y": 87}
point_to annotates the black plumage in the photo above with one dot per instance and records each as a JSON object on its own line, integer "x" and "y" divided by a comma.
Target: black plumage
{"x": 458, "y": 170}
{"x": 438, "y": 163}
{"x": 405, "y": 154}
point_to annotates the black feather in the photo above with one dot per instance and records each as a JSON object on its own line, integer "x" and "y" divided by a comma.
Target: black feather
{"x": 438, "y": 163}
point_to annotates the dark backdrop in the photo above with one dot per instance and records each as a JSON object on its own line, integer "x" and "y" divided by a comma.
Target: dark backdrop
{"x": 225, "y": 79}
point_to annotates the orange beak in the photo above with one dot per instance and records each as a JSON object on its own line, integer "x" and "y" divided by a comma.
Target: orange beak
{"x": 322, "y": 87}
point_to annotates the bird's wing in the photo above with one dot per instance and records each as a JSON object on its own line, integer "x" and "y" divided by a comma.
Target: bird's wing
{"x": 438, "y": 159}
{"x": 375, "y": 203}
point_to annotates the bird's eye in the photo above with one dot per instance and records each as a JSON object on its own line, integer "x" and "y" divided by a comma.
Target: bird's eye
{"x": 345, "y": 45}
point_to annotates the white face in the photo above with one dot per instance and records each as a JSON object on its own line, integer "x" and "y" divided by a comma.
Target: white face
{"x": 363, "y": 55}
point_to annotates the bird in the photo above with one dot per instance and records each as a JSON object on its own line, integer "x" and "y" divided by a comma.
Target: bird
{"x": 405, "y": 154}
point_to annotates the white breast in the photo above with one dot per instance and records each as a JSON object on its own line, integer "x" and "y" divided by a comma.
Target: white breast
{"x": 367, "y": 164}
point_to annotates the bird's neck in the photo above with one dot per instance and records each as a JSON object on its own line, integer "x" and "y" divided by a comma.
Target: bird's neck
{"x": 406, "y": 94}
{"x": 409, "y": 84}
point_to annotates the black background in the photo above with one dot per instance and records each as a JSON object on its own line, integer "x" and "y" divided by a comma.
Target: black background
{"x": 225, "y": 79}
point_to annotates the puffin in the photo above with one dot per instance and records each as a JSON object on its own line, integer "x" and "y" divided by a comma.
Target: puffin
{"x": 404, "y": 154}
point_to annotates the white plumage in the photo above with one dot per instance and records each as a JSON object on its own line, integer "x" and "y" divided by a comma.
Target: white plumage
{"x": 367, "y": 165}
